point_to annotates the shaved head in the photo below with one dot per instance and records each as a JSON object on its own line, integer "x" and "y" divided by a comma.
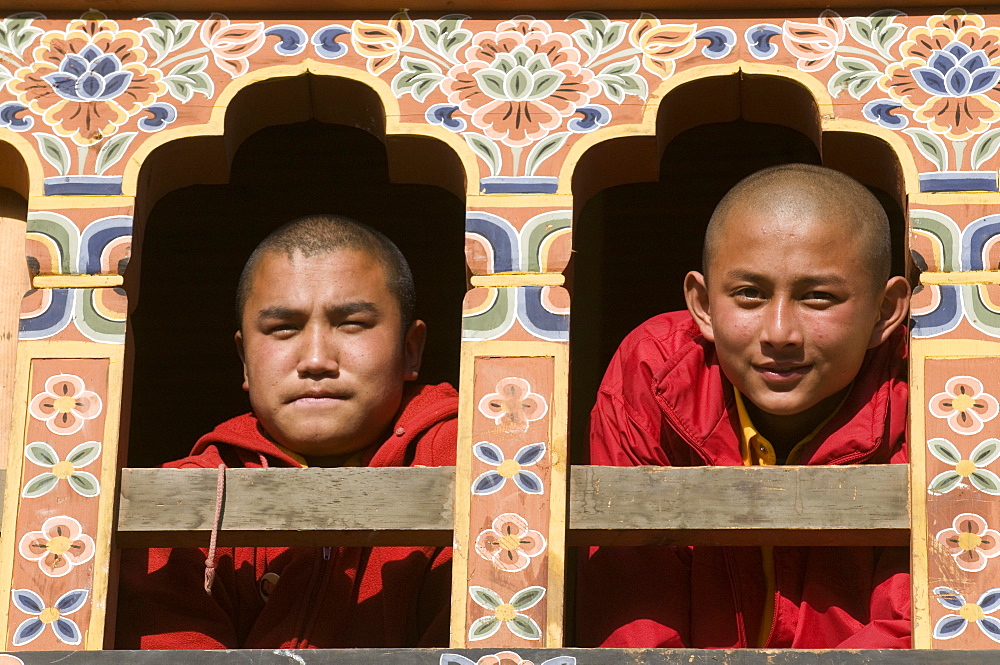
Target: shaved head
{"x": 793, "y": 191}
{"x": 324, "y": 234}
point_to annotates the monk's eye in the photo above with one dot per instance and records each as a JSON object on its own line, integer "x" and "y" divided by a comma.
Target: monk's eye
{"x": 821, "y": 296}
{"x": 748, "y": 294}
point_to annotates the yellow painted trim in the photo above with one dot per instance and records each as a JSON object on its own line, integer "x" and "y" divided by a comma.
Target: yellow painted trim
{"x": 77, "y": 202}
{"x": 963, "y": 277}
{"x": 519, "y": 279}
{"x": 558, "y": 491}
{"x": 922, "y": 349}
{"x": 463, "y": 499}
{"x": 32, "y": 160}
{"x": 12, "y": 494}
{"x": 919, "y": 537}
{"x": 488, "y": 201}
{"x": 824, "y": 104}
{"x": 75, "y": 281}
{"x": 935, "y": 200}
{"x": 43, "y": 348}
{"x": 216, "y": 124}
{"x": 106, "y": 517}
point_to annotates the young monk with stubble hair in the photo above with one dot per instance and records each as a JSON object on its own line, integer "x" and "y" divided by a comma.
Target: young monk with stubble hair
{"x": 331, "y": 352}
{"x": 791, "y": 351}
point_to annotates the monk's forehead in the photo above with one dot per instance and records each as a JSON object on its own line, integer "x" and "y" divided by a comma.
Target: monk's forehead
{"x": 783, "y": 211}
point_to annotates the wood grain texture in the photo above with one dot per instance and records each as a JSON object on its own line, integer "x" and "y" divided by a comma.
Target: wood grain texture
{"x": 587, "y": 656}
{"x": 14, "y": 281}
{"x": 622, "y": 506}
{"x": 351, "y": 506}
{"x": 740, "y": 506}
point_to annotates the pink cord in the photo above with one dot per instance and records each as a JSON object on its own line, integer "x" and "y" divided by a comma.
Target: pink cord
{"x": 220, "y": 490}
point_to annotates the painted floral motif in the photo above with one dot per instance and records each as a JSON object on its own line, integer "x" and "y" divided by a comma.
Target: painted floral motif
{"x": 44, "y": 455}
{"x": 58, "y": 546}
{"x": 65, "y": 404}
{"x": 814, "y": 44}
{"x": 8, "y": 659}
{"x": 381, "y": 45}
{"x": 513, "y": 406}
{"x": 661, "y": 44}
{"x": 520, "y": 81}
{"x": 88, "y": 80}
{"x": 506, "y": 614}
{"x": 509, "y": 543}
{"x": 499, "y": 658}
{"x": 65, "y": 629}
{"x": 972, "y": 468}
{"x": 494, "y": 480}
{"x": 948, "y": 67}
{"x": 231, "y": 44}
{"x": 970, "y": 542}
{"x": 952, "y": 625}
{"x": 964, "y": 404}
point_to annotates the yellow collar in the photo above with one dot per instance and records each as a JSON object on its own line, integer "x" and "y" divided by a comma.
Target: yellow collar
{"x": 757, "y": 450}
{"x": 353, "y": 460}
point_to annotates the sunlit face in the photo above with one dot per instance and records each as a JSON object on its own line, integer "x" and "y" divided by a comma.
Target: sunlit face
{"x": 791, "y": 307}
{"x": 324, "y": 354}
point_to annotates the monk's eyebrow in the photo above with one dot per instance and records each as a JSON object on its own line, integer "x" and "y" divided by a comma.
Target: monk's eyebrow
{"x": 355, "y": 307}
{"x": 745, "y": 276}
{"x": 823, "y": 280}
{"x": 280, "y": 313}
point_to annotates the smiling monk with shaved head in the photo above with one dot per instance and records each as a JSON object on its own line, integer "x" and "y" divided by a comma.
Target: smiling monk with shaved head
{"x": 791, "y": 351}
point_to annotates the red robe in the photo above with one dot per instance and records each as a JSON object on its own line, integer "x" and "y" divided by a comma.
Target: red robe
{"x": 664, "y": 401}
{"x": 280, "y": 597}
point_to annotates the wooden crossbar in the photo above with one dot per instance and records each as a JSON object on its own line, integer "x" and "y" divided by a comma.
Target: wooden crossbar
{"x": 622, "y": 506}
{"x": 538, "y": 656}
{"x": 607, "y": 506}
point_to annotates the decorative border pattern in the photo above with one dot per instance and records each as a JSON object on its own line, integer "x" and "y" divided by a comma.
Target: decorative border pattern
{"x": 54, "y": 538}
{"x": 517, "y": 93}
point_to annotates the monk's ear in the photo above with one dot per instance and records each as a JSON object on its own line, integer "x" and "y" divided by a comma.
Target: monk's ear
{"x": 413, "y": 349}
{"x": 243, "y": 358}
{"x": 696, "y": 295}
{"x": 893, "y": 310}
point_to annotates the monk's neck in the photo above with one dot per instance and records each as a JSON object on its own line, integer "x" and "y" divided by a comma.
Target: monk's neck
{"x": 786, "y": 431}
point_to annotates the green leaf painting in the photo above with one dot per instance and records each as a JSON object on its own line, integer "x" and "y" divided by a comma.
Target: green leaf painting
{"x": 855, "y": 75}
{"x": 112, "y": 151}
{"x": 486, "y": 149}
{"x": 929, "y": 145}
{"x": 985, "y": 147}
{"x": 54, "y": 151}
{"x": 418, "y": 78}
{"x": 485, "y": 597}
{"x": 542, "y": 150}
{"x": 41, "y": 453}
{"x": 188, "y": 78}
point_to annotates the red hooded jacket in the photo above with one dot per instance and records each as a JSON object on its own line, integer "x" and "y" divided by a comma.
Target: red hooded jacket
{"x": 665, "y": 401}
{"x": 280, "y": 597}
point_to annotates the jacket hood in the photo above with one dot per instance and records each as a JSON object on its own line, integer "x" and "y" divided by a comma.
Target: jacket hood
{"x": 423, "y": 406}
{"x": 687, "y": 385}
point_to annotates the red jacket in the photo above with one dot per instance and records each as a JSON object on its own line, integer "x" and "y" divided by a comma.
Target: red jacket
{"x": 664, "y": 401}
{"x": 280, "y": 597}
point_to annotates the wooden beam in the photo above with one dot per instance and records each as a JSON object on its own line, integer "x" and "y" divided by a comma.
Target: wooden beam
{"x": 795, "y": 505}
{"x": 608, "y": 506}
{"x": 291, "y": 507}
{"x": 582, "y": 656}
